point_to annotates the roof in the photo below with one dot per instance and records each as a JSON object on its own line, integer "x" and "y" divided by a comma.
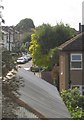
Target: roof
{"x": 74, "y": 44}
{"x": 42, "y": 96}
{"x": 6, "y": 29}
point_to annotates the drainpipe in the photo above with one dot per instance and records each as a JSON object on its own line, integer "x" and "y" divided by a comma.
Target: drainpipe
{"x": 9, "y": 40}
{"x": 69, "y": 78}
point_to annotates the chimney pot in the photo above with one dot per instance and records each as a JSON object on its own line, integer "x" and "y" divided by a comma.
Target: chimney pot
{"x": 80, "y": 29}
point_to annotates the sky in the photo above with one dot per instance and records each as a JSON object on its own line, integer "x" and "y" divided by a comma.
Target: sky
{"x": 43, "y": 11}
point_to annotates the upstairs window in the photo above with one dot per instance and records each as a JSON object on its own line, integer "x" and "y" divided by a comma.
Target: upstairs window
{"x": 2, "y": 36}
{"x": 76, "y": 62}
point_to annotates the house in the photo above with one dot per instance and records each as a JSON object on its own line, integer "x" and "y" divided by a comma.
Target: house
{"x": 71, "y": 54}
{"x": 10, "y": 38}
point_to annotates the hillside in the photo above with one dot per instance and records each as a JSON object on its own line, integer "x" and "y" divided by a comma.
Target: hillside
{"x": 25, "y": 25}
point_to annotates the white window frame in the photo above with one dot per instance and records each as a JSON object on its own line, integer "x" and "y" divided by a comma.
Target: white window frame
{"x": 75, "y": 61}
{"x": 81, "y": 90}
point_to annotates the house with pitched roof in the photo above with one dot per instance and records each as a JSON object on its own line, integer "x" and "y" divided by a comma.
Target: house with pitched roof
{"x": 71, "y": 54}
{"x": 10, "y": 38}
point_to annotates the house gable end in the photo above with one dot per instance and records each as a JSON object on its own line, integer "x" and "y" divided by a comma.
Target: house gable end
{"x": 74, "y": 44}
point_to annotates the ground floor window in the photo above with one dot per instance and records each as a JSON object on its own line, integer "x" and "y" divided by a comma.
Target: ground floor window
{"x": 80, "y": 87}
{"x": 76, "y": 61}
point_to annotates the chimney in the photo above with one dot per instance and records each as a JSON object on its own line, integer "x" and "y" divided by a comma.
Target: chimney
{"x": 83, "y": 43}
{"x": 83, "y": 16}
{"x": 80, "y": 28}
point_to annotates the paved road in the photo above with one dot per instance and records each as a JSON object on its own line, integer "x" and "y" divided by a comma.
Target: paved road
{"x": 26, "y": 65}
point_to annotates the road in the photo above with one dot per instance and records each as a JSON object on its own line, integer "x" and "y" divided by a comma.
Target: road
{"x": 26, "y": 65}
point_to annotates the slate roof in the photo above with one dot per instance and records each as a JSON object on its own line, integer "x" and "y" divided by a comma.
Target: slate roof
{"x": 9, "y": 28}
{"x": 42, "y": 96}
{"x": 74, "y": 44}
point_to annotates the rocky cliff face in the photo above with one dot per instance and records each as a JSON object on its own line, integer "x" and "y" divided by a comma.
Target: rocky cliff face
{"x": 25, "y": 25}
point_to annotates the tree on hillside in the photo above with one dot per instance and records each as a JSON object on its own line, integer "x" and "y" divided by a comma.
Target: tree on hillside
{"x": 23, "y": 48}
{"x": 27, "y": 37}
{"x": 26, "y": 28}
{"x": 47, "y": 38}
{"x": 25, "y": 25}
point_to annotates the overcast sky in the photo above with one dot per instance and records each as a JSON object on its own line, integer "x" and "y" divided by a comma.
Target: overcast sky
{"x": 43, "y": 11}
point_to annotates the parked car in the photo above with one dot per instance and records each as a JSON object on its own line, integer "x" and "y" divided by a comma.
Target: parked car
{"x": 28, "y": 69}
{"x": 26, "y": 58}
{"x": 21, "y": 60}
{"x": 35, "y": 69}
{"x": 29, "y": 57}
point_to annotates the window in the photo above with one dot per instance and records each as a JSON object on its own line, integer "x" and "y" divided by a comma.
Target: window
{"x": 83, "y": 89}
{"x": 76, "y": 62}
{"x": 79, "y": 87}
{"x": 75, "y": 87}
{"x": 83, "y": 93}
{"x": 2, "y": 36}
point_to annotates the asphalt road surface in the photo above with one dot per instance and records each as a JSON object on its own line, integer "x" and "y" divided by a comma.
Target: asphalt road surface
{"x": 26, "y": 65}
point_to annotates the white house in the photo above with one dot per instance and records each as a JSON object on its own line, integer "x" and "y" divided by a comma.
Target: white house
{"x": 9, "y": 38}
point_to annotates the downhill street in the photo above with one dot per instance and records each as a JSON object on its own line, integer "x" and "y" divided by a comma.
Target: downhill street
{"x": 26, "y": 65}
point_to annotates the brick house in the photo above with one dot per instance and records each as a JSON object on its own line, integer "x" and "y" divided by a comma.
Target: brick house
{"x": 71, "y": 71}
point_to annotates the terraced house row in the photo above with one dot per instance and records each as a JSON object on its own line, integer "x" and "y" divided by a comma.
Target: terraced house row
{"x": 10, "y": 38}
